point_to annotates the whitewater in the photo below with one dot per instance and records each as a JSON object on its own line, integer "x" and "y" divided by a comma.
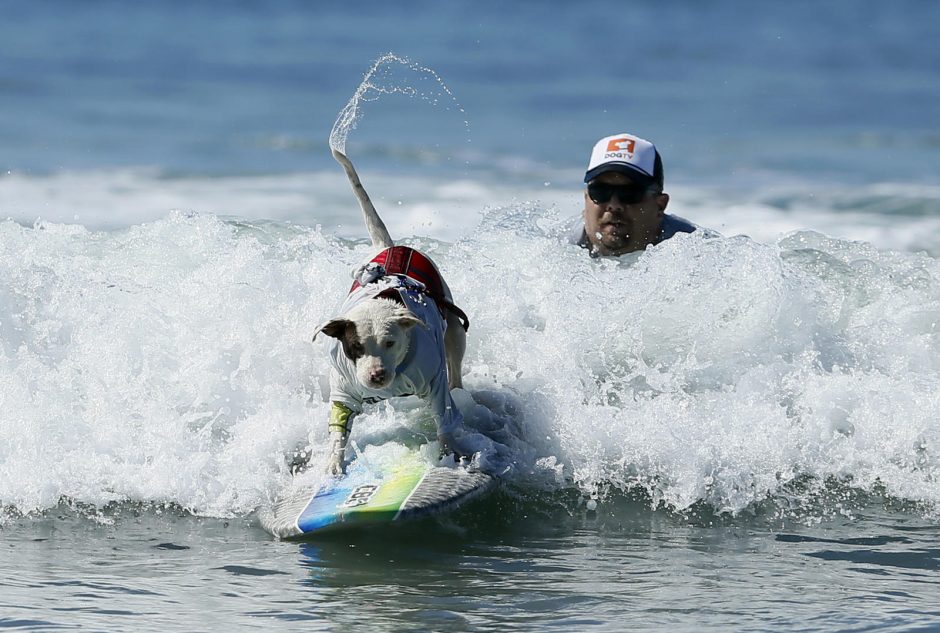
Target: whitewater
{"x": 170, "y": 362}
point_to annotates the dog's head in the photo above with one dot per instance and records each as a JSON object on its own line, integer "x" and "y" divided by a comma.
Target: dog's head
{"x": 376, "y": 335}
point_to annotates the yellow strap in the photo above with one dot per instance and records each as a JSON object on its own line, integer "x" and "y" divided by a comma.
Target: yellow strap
{"x": 340, "y": 416}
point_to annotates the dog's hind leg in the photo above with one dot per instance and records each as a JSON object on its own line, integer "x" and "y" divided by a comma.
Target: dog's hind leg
{"x": 377, "y": 231}
{"x": 455, "y": 344}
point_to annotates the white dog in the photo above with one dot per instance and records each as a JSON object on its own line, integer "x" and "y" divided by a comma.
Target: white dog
{"x": 399, "y": 334}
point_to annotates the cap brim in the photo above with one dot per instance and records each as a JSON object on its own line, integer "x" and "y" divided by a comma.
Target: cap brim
{"x": 635, "y": 173}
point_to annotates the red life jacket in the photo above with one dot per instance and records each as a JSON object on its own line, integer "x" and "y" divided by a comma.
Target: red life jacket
{"x": 401, "y": 260}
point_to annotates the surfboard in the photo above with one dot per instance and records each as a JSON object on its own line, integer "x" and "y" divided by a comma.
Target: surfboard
{"x": 374, "y": 492}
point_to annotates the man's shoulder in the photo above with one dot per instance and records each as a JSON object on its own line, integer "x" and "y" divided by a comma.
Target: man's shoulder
{"x": 673, "y": 224}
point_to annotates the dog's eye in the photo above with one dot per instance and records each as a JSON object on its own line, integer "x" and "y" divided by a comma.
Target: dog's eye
{"x": 389, "y": 343}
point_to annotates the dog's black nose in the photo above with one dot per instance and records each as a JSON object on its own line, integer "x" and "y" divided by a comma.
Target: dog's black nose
{"x": 377, "y": 376}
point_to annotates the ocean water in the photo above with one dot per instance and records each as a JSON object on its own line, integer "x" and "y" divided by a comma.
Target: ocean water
{"x": 736, "y": 433}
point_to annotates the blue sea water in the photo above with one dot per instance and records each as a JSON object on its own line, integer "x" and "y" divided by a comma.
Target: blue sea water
{"x": 739, "y": 433}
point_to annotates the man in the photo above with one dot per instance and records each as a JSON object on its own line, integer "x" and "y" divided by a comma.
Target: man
{"x": 624, "y": 202}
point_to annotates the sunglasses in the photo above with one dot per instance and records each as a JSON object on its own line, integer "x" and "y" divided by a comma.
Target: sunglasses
{"x": 601, "y": 192}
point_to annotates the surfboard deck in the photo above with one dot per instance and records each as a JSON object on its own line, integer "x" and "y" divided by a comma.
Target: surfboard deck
{"x": 374, "y": 493}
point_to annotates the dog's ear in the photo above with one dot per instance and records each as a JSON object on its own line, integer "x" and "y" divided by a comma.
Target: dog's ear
{"x": 408, "y": 321}
{"x": 334, "y": 327}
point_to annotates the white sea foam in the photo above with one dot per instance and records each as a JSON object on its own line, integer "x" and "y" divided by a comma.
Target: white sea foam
{"x": 117, "y": 199}
{"x": 896, "y": 217}
{"x": 169, "y": 361}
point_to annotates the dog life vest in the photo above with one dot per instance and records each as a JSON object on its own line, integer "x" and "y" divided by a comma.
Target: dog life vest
{"x": 401, "y": 260}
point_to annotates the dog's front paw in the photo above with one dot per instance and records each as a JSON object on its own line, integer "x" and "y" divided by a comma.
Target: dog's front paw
{"x": 335, "y": 465}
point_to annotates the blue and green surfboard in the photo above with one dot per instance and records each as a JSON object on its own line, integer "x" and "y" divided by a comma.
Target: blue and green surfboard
{"x": 374, "y": 492}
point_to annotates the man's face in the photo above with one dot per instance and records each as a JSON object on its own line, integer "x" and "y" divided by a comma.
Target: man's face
{"x": 616, "y": 227}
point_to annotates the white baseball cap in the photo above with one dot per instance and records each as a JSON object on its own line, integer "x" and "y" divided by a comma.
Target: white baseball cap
{"x": 628, "y": 154}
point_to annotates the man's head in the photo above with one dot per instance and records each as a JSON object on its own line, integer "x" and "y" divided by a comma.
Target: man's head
{"x": 624, "y": 201}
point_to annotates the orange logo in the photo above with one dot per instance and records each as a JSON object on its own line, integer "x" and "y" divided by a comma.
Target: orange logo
{"x": 621, "y": 145}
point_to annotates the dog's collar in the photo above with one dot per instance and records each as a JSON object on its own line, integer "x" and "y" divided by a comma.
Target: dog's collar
{"x": 392, "y": 294}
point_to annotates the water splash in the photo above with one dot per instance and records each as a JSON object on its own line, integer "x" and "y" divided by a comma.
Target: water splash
{"x": 169, "y": 363}
{"x": 380, "y": 80}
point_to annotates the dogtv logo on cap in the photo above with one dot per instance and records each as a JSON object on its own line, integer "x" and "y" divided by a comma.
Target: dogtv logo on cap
{"x": 622, "y": 144}
{"x": 622, "y": 152}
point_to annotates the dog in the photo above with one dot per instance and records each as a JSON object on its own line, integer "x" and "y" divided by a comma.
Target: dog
{"x": 398, "y": 334}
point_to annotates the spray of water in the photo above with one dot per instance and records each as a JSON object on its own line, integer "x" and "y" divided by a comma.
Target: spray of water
{"x": 380, "y": 80}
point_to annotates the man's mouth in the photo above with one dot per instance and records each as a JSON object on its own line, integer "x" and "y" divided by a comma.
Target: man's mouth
{"x": 612, "y": 218}
{"x": 614, "y": 225}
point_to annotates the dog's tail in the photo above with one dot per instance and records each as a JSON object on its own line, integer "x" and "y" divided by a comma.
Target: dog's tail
{"x": 377, "y": 230}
